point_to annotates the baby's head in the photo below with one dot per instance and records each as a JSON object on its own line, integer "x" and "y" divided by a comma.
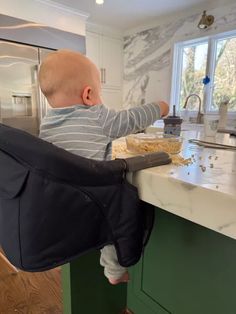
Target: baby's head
{"x": 68, "y": 78}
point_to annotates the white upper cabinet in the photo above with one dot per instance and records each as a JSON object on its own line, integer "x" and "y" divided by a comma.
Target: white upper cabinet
{"x": 112, "y": 98}
{"x": 112, "y": 61}
{"x": 93, "y": 49}
{"x": 107, "y": 53}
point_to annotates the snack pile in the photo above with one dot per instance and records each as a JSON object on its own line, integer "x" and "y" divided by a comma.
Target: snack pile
{"x": 146, "y": 143}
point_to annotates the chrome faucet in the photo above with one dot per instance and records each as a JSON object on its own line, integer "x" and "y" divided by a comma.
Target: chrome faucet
{"x": 199, "y": 114}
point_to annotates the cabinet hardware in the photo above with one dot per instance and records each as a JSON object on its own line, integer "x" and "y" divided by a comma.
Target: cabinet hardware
{"x": 101, "y": 70}
{"x": 103, "y": 75}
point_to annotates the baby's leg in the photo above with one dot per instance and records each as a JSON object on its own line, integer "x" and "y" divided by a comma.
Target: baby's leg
{"x": 112, "y": 269}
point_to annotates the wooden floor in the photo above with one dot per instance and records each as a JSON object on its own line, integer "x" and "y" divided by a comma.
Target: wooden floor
{"x": 30, "y": 293}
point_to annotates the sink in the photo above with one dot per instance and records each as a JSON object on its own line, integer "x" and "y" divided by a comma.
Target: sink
{"x": 191, "y": 126}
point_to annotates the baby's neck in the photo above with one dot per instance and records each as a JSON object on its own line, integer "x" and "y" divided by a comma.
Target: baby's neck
{"x": 61, "y": 101}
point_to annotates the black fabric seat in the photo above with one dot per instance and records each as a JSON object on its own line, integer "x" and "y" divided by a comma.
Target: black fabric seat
{"x": 55, "y": 206}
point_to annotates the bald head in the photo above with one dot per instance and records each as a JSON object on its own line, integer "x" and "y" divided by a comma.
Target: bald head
{"x": 63, "y": 77}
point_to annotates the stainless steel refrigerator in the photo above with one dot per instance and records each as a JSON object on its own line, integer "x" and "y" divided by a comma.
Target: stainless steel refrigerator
{"x": 23, "y": 46}
{"x": 21, "y": 103}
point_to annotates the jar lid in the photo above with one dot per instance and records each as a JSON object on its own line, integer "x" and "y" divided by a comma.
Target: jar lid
{"x": 173, "y": 120}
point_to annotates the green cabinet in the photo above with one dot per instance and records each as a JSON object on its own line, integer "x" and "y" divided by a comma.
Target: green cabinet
{"x": 87, "y": 291}
{"x": 186, "y": 269}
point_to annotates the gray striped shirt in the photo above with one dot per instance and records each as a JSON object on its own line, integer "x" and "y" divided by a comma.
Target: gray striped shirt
{"x": 88, "y": 131}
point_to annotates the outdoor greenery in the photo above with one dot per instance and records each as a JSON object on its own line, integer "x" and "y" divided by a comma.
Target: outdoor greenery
{"x": 225, "y": 73}
{"x": 192, "y": 76}
{"x": 223, "y": 81}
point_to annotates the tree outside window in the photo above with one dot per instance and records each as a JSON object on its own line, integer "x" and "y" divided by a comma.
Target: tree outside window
{"x": 225, "y": 74}
{"x": 214, "y": 57}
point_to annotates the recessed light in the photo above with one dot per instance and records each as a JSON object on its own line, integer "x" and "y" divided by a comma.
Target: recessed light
{"x": 99, "y": 1}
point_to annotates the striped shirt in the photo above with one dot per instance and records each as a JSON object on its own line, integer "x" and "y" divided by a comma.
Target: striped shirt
{"x": 88, "y": 131}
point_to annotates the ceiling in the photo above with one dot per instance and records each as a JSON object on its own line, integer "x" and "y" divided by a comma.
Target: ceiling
{"x": 126, "y": 14}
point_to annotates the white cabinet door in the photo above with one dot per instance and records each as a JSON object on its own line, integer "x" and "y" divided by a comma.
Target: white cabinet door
{"x": 112, "y": 98}
{"x": 112, "y": 62}
{"x": 93, "y": 48}
{"x": 107, "y": 54}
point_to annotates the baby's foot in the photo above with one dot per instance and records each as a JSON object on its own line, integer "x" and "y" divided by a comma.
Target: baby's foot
{"x": 123, "y": 278}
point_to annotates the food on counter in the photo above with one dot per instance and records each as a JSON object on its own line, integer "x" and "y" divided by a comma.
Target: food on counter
{"x": 203, "y": 168}
{"x": 178, "y": 160}
{"x": 119, "y": 149}
{"x": 145, "y": 143}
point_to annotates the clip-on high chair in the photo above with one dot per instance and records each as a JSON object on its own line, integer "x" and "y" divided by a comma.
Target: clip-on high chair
{"x": 56, "y": 206}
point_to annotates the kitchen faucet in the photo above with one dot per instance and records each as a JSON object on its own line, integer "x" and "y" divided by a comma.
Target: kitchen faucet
{"x": 199, "y": 114}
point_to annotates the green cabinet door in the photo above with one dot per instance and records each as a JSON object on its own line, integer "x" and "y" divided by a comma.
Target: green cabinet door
{"x": 87, "y": 291}
{"x": 186, "y": 269}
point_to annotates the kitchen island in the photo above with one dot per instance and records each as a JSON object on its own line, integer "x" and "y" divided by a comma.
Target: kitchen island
{"x": 188, "y": 266}
{"x": 203, "y": 192}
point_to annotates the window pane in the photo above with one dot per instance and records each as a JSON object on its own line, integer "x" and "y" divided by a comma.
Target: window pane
{"x": 193, "y": 72}
{"x": 225, "y": 73}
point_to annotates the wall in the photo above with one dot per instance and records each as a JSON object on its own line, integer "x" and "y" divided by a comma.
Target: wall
{"x": 46, "y": 12}
{"x": 104, "y": 30}
{"x": 148, "y": 52}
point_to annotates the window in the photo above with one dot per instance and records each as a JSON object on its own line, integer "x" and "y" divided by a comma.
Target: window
{"x": 197, "y": 60}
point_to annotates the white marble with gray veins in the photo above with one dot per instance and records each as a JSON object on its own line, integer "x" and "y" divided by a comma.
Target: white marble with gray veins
{"x": 204, "y": 196}
{"x": 147, "y": 54}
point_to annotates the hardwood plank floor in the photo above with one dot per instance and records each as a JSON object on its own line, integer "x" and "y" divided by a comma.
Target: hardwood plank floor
{"x": 30, "y": 293}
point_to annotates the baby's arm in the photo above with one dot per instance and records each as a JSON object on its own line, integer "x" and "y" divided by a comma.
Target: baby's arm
{"x": 124, "y": 122}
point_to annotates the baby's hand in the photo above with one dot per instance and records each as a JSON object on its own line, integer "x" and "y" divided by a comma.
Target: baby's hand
{"x": 164, "y": 108}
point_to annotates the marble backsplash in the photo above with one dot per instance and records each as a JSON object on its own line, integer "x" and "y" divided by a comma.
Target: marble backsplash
{"x": 148, "y": 54}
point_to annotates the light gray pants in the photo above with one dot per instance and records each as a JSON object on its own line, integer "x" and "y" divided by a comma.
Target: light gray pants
{"x": 109, "y": 261}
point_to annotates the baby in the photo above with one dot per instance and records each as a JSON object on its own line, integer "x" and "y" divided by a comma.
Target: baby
{"x": 80, "y": 123}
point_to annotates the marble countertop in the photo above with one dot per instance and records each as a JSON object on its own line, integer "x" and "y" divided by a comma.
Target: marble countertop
{"x": 203, "y": 192}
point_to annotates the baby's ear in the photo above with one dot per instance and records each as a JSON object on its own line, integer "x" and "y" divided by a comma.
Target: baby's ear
{"x": 87, "y": 96}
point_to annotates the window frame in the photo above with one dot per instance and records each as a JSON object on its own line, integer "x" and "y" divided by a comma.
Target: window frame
{"x": 177, "y": 66}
